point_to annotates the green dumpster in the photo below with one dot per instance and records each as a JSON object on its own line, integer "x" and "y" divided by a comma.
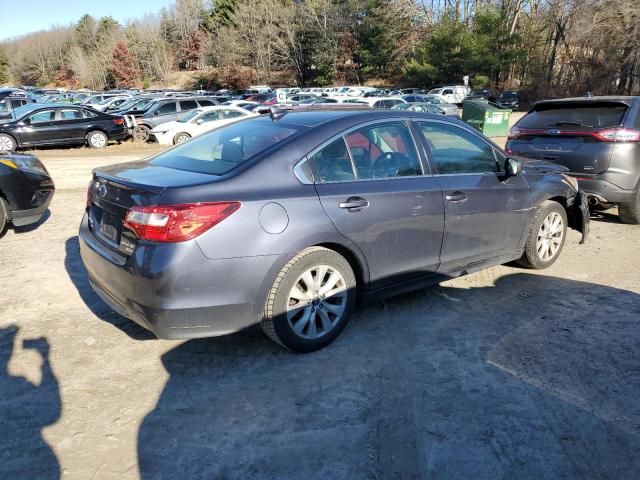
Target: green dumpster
{"x": 487, "y": 117}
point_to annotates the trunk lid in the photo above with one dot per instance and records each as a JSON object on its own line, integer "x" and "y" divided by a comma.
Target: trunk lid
{"x": 116, "y": 188}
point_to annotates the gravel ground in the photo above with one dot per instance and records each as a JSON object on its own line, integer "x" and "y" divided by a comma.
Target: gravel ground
{"x": 503, "y": 374}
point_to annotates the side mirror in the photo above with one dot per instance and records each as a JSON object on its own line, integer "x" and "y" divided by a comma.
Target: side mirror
{"x": 27, "y": 121}
{"x": 200, "y": 121}
{"x": 513, "y": 167}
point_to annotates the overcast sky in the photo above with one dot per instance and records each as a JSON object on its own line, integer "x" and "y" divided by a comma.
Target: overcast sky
{"x": 24, "y": 16}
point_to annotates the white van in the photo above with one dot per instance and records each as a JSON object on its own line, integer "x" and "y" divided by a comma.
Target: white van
{"x": 453, "y": 93}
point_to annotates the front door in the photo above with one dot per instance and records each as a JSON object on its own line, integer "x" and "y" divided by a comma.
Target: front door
{"x": 372, "y": 186}
{"x": 39, "y": 128}
{"x": 485, "y": 212}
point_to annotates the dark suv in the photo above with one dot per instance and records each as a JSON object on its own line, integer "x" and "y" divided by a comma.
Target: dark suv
{"x": 166, "y": 110}
{"x": 597, "y": 138}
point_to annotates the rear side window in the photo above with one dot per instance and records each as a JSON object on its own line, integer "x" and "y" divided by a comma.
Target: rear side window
{"x": 166, "y": 108}
{"x": 383, "y": 151}
{"x": 70, "y": 114}
{"x": 188, "y": 105}
{"x": 333, "y": 163}
{"x": 224, "y": 149}
{"x": 456, "y": 151}
{"x": 575, "y": 115}
{"x": 206, "y": 103}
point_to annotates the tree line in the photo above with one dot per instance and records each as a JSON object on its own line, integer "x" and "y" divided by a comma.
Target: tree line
{"x": 544, "y": 47}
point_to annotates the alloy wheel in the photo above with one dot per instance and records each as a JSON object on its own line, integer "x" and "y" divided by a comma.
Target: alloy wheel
{"x": 317, "y": 302}
{"x": 550, "y": 236}
{"x": 6, "y": 144}
{"x": 98, "y": 140}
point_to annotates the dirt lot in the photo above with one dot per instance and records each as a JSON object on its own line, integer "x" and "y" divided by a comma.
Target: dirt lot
{"x": 506, "y": 374}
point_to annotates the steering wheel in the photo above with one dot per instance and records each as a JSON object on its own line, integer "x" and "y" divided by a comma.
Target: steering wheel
{"x": 388, "y": 164}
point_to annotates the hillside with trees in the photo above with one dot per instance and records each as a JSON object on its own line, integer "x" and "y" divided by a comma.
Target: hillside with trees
{"x": 545, "y": 47}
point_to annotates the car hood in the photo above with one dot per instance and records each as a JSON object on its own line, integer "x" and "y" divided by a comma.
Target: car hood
{"x": 533, "y": 166}
{"x": 153, "y": 178}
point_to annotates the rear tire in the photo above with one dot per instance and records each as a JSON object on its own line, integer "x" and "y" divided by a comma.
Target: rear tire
{"x": 630, "y": 212}
{"x": 311, "y": 300}
{"x": 7, "y": 143}
{"x": 141, "y": 133}
{"x": 181, "y": 138}
{"x": 546, "y": 238}
{"x": 97, "y": 139}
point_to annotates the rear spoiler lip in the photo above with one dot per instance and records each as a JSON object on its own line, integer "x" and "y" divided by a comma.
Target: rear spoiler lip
{"x": 586, "y": 102}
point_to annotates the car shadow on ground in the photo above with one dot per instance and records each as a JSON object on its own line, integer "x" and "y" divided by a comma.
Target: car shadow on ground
{"x": 25, "y": 409}
{"x": 78, "y": 275}
{"x": 529, "y": 377}
{"x": 26, "y": 228}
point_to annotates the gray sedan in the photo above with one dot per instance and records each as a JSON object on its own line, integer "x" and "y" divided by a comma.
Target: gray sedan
{"x": 289, "y": 220}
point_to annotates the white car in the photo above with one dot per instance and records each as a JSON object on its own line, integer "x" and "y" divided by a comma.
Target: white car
{"x": 111, "y": 102}
{"x": 198, "y": 121}
{"x": 452, "y": 93}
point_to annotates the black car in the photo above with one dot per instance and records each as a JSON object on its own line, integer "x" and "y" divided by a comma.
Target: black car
{"x": 53, "y": 124}
{"x": 287, "y": 219}
{"x": 26, "y": 190}
{"x": 596, "y": 138}
{"x": 482, "y": 94}
{"x": 509, "y": 99}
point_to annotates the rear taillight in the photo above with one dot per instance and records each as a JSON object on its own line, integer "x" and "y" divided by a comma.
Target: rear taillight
{"x": 176, "y": 223}
{"x": 618, "y": 135}
{"x": 118, "y": 121}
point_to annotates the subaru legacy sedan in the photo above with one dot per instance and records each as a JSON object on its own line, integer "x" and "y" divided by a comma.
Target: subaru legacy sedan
{"x": 290, "y": 219}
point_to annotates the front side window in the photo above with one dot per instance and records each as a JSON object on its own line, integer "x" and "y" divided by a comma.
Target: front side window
{"x": 383, "y": 151}
{"x": 454, "y": 150}
{"x": 220, "y": 151}
{"x": 42, "y": 117}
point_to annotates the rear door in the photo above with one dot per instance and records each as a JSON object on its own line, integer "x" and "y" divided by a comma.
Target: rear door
{"x": 485, "y": 213}
{"x": 372, "y": 185}
{"x": 70, "y": 124}
{"x": 569, "y": 134}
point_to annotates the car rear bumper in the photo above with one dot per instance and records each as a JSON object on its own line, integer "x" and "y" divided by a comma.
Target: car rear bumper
{"x": 174, "y": 291}
{"x": 119, "y": 134}
{"x": 604, "y": 191}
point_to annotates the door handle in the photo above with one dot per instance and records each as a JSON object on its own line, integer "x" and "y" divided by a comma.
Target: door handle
{"x": 456, "y": 197}
{"x": 354, "y": 204}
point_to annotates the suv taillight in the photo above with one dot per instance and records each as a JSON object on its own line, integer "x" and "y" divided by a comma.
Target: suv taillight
{"x": 176, "y": 223}
{"x": 618, "y": 135}
{"x": 514, "y": 132}
{"x": 118, "y": 121}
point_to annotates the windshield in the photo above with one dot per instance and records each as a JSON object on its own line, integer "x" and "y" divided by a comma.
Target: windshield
{"x": 106, "y": 100}
{"x": 433, "y": 99}
{"x": 436, "y": 91}
{"x": 141, "y": 104}
{"x": 575, "y": 115}
{"x": 23, "y": 110}
{"x": 189, "y": 115}
{"x": 225, "y": 148}
{"x": 509, "y": 95}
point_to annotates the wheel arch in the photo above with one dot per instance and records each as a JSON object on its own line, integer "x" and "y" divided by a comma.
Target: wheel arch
{"x": 356, "y": 263}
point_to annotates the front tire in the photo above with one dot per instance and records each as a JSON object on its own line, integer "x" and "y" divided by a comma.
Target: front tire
{"x": 547, "y": 236}
{"x": 97, "y": 139}
{"x": 311, "y": 300}
{"x": 7, "y": 143}
{"x": 181, "y": 138}
{"x": 630, "y": 212}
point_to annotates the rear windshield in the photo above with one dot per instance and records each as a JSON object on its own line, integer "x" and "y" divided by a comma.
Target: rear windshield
{"x": 589, "y": 116}
{"x": 224, "y": 149}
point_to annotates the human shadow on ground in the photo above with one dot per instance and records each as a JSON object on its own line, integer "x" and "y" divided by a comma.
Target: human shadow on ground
{"x": 529, "y": 377}
{"x": 25, "y": 409}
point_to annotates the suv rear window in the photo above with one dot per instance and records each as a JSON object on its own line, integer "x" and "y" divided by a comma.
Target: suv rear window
{"x": 220, "y": 151}
{"x": 575, "y": 115}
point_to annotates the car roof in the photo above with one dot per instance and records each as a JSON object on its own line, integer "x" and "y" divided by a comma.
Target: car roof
{"x": 626, "y": 99}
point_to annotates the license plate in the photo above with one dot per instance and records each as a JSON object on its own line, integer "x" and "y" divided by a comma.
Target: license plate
{"x": 108, "y": 229}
